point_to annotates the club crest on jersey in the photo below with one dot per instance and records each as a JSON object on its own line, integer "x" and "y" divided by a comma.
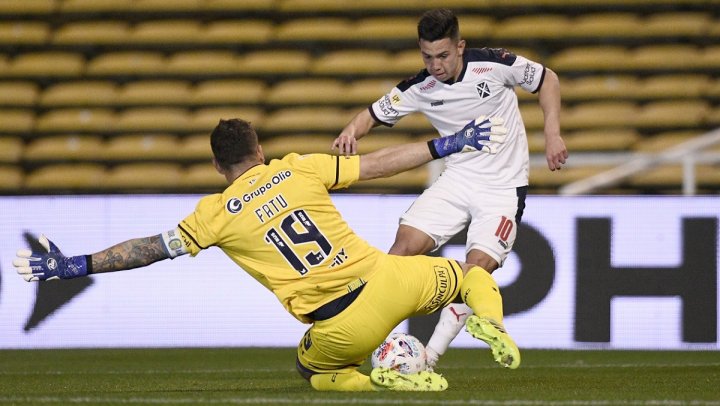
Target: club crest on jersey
{"x": 233, "y": 205}
{"x": 483, "y": 89}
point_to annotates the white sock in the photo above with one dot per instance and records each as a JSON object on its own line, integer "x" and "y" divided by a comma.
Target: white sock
{"x": 452, "y": 320}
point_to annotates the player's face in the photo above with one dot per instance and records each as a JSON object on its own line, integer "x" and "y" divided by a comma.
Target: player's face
{"x": 443, "y": 58}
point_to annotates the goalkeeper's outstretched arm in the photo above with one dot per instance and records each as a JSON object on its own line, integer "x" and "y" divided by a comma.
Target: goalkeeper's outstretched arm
{"x": 50, "y": 263}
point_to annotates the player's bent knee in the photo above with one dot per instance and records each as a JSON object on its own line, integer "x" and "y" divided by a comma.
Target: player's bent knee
{"x": 303, "y": 371}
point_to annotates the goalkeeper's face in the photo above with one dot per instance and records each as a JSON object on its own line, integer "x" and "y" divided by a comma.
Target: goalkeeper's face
{"x": 443, "y": 58}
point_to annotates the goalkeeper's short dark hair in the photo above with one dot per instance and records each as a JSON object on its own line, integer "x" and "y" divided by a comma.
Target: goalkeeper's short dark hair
{"x": 438, "y": 24}
{"x": 232, "y": 141}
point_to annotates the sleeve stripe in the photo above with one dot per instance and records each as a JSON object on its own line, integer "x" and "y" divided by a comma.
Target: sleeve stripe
{"x": 542, "y": 78}
{"x": 337, "y": 171}
{"x": 191, "y": 236}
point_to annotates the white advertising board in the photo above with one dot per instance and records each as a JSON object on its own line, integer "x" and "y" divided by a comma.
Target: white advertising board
{"x": 587, "y": 272}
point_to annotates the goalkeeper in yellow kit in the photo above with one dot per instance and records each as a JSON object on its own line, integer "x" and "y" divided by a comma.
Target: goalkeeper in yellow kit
{"x": 278, "y": 223}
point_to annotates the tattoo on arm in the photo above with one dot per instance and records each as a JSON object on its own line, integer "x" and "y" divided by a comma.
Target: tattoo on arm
{"x": 130, "y": 254}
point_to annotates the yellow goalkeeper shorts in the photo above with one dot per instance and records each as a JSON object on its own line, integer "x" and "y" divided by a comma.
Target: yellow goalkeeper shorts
{"x": 402, "y": 287}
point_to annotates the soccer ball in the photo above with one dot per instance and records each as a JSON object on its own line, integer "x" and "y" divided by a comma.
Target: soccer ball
{"x": 401, "y": 352}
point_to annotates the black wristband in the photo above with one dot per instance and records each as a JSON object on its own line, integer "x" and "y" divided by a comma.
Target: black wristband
{"x": 433, "y": 151}
{"x": 88, "y": 264}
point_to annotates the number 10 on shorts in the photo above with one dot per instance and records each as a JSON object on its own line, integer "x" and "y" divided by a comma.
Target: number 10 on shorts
{"x": 503, "y": 230}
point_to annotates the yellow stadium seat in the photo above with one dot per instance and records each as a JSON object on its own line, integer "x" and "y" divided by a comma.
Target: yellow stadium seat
{"x": 681, "y": 86}
{"x": 142, "y": 6}
{"x": 710, "y": 57}
{"x": 595, "y": 87}
{"x": 663, "y": 141}
{"x": 234, "y": 5}
{"x": 162, "y": 119}
{"x": 307, "y": 91}
{"x": 195, "y": 147}
{"x": 203, "y": 62}
{"x": 18, "y": 93}
{"x": 11, "y": 148}
{"x": 664, "y": 57}
{"x": 589, "y": 58}
{"x": 276, "y": 61}
{"x": 151, "y": 176}
{"x": 281, "y": 145}
{"x": 38, "y": 7}
{"x": 474, "y": 27}
{"x": 604, "y": 25}
{"x": 366, "y": 91}
{"x": 66, "y": 177}
{"x": 47, "y": 64}
{"x": 713, "y": 117}
{"x": 240, "y": 31}
{"x": 670, "y": 176}
{"x": 593, "y": 140}
{"x": 540, "y": 26}
{"x": 154, "y": 92}
{"x": 127, "y": 63}
{"x": 314, "y": 29}
{"x": 675, "y": 113}
{"x": 140, "y": 147}
{"x": 202, "y": 177}
{"x": 293, "y": 6}
{"x": 206, "y": 119}
{"x": 76, "y": 119}
{"x": 166, "y": 32}
{"x": 358, "y": 61}
{"x": 306, "y": 119}
{"x": 16, "y": 120}
{"x": 92, "y": 33}
{"x": 394, "y": 28}
{"x": 532, "y": 116}
{"x": 95, "y": 6}
{"x": 71, "y": 147}
{"x": 602, "y": 114}
{"x": 4, "y": 64}
{"x": 80, "y": 93}
{"x": 24, "y": 32}
{"x": 12, "y": 178}
{"x": 405, "y": 63}
{"x": 228, "y": 91}
{"x": 675, "y": 24}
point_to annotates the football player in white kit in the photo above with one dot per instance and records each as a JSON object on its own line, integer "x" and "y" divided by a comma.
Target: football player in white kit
{"x": 481, "y": 190}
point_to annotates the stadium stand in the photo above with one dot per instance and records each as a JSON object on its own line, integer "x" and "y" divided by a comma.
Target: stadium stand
{"x": 151, "y": 75}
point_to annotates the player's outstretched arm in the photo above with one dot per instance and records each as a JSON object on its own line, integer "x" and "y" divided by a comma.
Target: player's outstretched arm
{"x": 481, "y": 134}
{"x": 51, "y": 264}
{"x": 358, "y": 127}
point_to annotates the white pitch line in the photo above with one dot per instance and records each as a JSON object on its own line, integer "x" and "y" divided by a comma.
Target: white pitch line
{"x": 355, "y": 401}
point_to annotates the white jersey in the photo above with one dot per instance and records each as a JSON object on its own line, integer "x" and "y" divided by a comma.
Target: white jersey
{"x": 486, "y": 86}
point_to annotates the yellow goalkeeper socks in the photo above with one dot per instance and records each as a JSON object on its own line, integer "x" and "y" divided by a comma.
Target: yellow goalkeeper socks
{"x": 346, "y": 382}
{"x": 480, "y": 291}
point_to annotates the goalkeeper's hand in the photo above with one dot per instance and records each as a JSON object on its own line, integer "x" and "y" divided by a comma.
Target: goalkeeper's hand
{"x": 482, "y": 134}
{"x": 42, "y": 266}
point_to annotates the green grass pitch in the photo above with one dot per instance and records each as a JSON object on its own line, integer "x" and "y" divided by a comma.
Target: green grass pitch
{"x": 266, "y": 376}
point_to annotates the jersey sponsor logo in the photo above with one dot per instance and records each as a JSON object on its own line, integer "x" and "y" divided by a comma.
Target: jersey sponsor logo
{"x": 483, "y": 89}
{"x": 480, "y": 71}
{"x": 233, "y": 205}
{"x": 442, "y": 276}
{"x": 265, "y": 188}
{"x": 529, "y": 75}
{"x": 385, "y": 105}
{"x": 428, "y": 86}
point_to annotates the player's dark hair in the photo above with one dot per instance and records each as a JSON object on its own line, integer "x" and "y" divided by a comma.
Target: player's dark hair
{"x": 232, "y": 141}
{"x": 438, "y": 24}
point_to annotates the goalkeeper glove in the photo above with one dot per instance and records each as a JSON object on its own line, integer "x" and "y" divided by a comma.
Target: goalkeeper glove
{"x": 42, "y": 266}
{"x": 478, "y": 135}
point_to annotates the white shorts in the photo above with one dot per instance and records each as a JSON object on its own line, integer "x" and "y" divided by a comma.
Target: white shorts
{"x": 491, "y": 215}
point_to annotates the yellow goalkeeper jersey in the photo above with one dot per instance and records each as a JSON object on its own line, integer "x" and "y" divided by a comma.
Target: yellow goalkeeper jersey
{"x": 278, "y": 223}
